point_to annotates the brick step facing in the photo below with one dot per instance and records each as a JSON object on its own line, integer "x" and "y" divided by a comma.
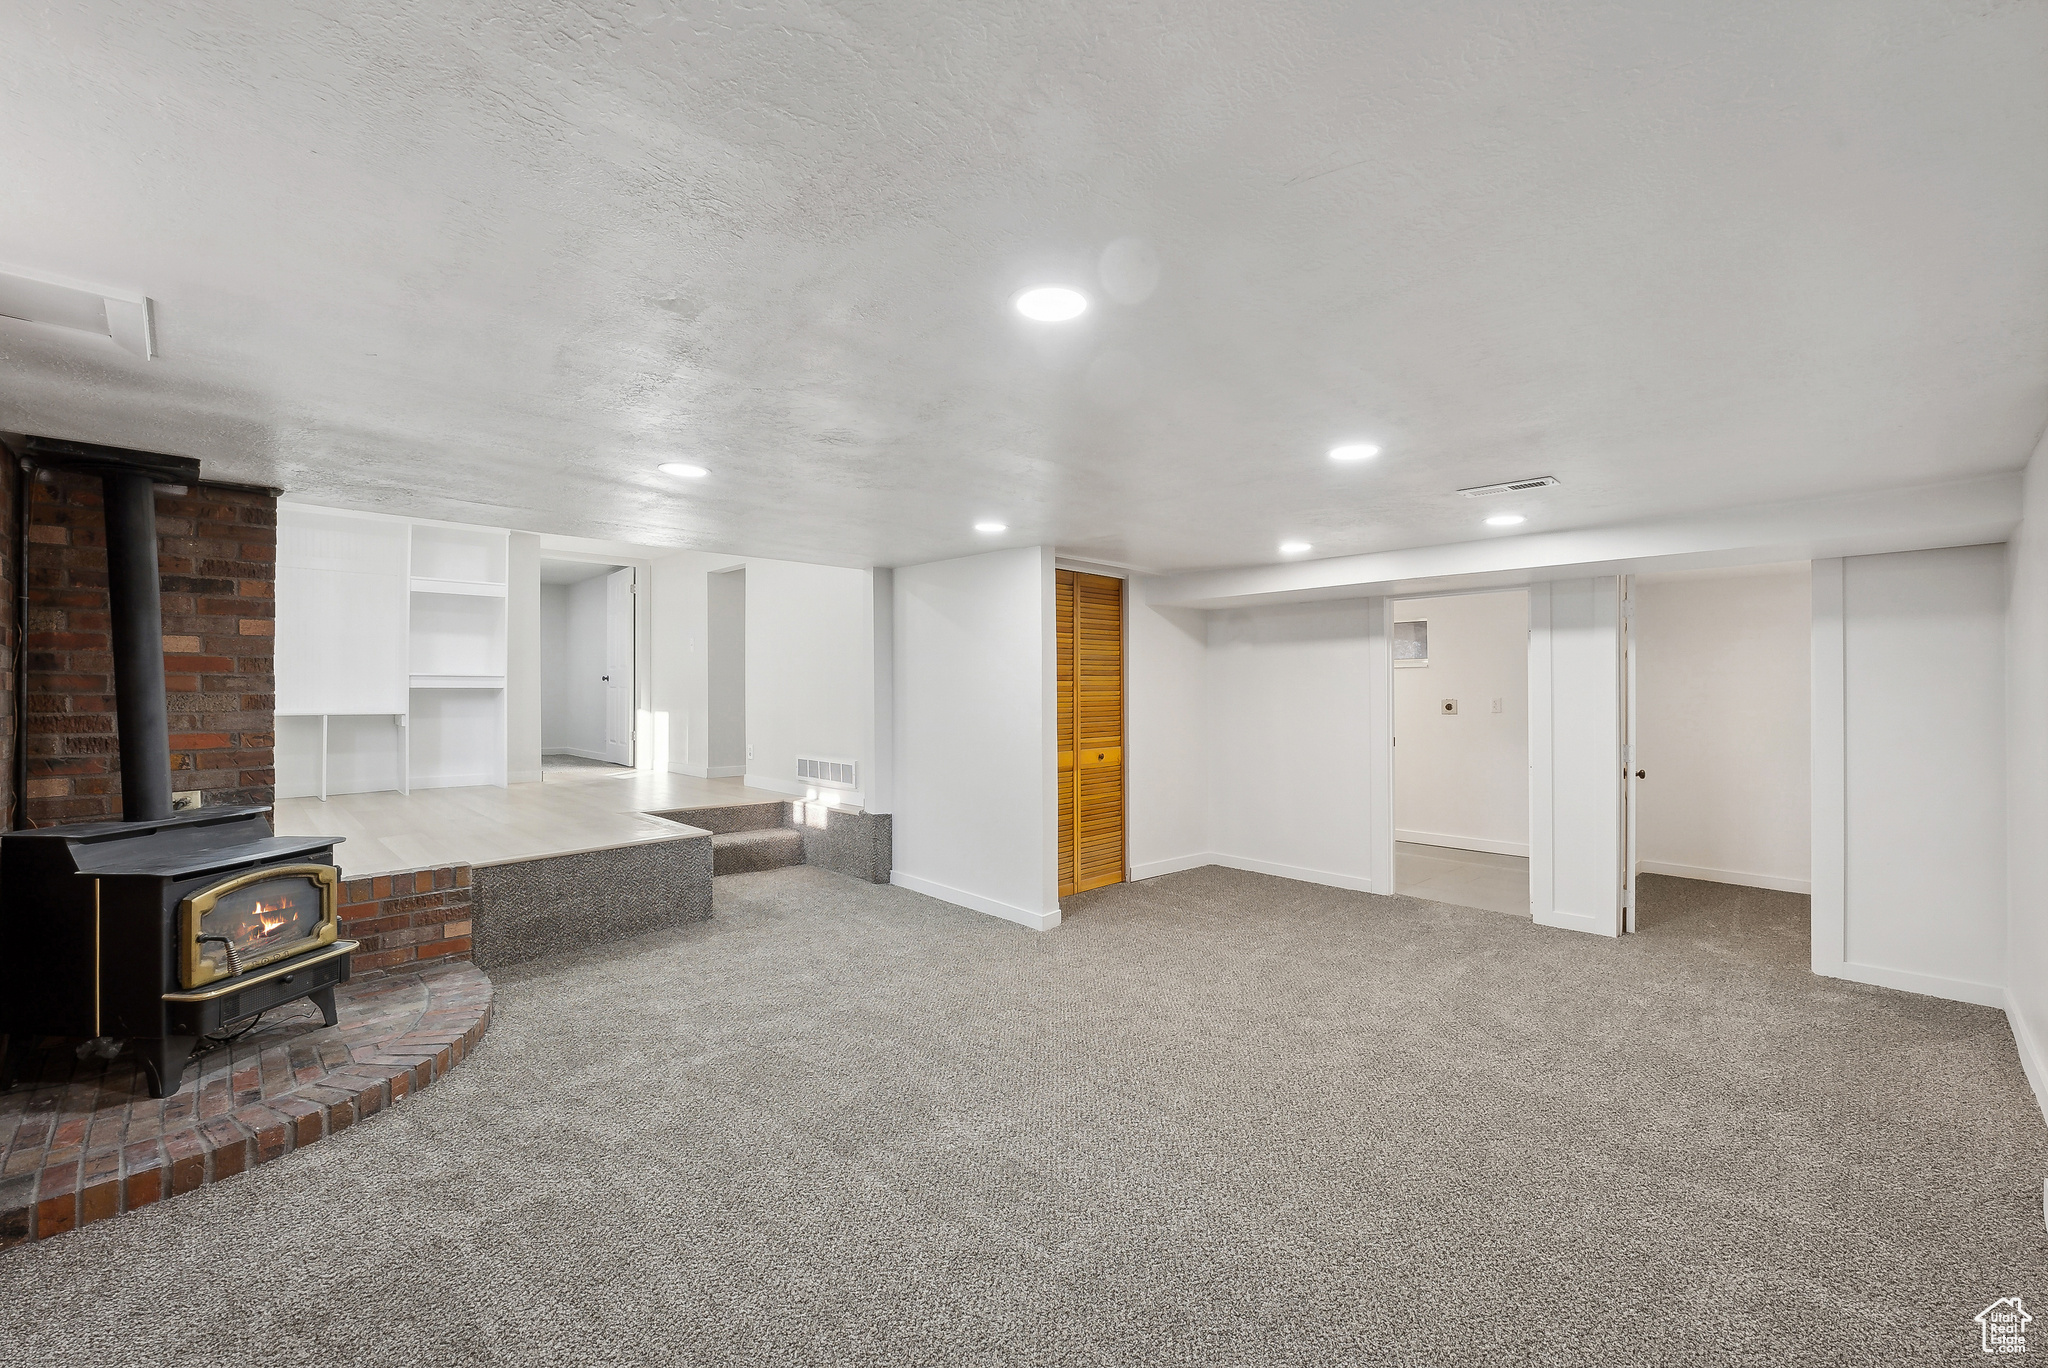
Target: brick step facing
{"x": 743, "y": 852}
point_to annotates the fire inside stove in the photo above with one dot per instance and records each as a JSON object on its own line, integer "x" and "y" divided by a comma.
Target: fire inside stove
{"x": 238, "y": 926}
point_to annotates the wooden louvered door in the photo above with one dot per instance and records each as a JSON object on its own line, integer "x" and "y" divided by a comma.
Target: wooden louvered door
{"x": 1091, "y": 737}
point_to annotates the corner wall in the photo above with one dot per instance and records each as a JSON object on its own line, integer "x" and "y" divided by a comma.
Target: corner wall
{"x": 2026, "y": 697}
{"x": 976, "y": 810}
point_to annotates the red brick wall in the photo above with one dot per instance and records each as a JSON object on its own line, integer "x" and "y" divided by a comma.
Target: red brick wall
{"x": 217, "y": 554}
{"x": 10, "y": 639}
{"x": 421, "y": 914}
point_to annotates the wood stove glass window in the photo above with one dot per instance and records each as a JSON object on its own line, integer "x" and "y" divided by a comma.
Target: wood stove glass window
{"x": 257, "y": 923}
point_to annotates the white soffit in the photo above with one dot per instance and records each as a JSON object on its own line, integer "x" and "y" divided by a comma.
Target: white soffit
{"x": 124, "y": 318}
{"x": 1963, "y": 513}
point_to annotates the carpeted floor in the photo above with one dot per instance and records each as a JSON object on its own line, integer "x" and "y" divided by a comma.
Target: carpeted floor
{"x": 1214, "y": 1119}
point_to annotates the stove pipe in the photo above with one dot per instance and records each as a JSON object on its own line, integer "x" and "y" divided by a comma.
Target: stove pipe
{"x": 135, "y": 605}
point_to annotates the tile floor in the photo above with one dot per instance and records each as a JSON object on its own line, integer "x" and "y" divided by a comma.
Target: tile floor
{"x": 1468, "y": 878}
{"x": 573, "y": 808}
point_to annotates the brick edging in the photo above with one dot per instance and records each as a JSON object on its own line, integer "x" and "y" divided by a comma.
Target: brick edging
{"x": 97, "y": 1186}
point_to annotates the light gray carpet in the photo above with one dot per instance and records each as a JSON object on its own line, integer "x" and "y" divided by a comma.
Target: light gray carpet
{"x": 1216, "y": 1118}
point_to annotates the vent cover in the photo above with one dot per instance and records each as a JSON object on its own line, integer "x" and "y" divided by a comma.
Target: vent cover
{"x": 128, "y": 319}
{"x": 839, "y": 774}
{"x": 1511, "y": 487}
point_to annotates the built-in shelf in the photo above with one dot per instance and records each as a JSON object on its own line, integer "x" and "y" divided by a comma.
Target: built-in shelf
{"x": 458, "y": 681}
{"x": 471, "y": 588}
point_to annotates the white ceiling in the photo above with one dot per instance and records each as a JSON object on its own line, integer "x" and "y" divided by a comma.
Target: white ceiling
{"x": 490, "y": 262}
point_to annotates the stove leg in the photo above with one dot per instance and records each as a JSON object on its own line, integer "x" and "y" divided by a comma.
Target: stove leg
{"x": 164, "y": 1061}
{"x": 323, "y": 998}
{"x": 13, "y": 1060}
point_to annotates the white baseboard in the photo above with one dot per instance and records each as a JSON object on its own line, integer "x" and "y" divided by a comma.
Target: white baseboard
{"x": 1927, "y": 985}
{"x": 1776, "y": 882}
{"x": 1152, "y": 869}
{"x": 725, "y": 771}
{"x": 1587, "y": 923}
{"x": 974, "y": 902}
{"x": 526, "y": 776}
{"x": 1357, "y": 883}
{"x": 1438, "y": 838}
{"x": 796, "y": 788}
{"x": 2032, "y": 1061}
{"x": 577, "y": 751}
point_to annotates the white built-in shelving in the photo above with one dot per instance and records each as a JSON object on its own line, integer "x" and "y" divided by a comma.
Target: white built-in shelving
{"x": 391, "y": 650}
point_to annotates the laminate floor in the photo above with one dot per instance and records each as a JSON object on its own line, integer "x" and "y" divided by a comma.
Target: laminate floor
{"x": 574, "y": 808}
{"x": 1463, "y": 878}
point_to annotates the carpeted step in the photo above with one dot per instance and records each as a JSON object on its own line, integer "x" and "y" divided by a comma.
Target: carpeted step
{"x": 732, "y": 817}
{"x": 742, "y": 852}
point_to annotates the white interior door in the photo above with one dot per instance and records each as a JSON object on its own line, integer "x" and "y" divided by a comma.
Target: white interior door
{"x": 618, "y": 667}
{"x": 1631, "y": 761}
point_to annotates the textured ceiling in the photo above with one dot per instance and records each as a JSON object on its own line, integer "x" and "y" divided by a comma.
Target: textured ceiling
{"x": 491, "y": 262}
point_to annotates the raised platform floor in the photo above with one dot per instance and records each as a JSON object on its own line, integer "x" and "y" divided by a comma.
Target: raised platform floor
{"x": 572, "y": 809}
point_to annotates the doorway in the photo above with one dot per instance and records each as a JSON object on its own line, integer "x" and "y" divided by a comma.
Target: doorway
{"x": 1090, "y": 681}
{"x": 1717, "y": 765}
{"x": 1461, "y": 749}
{"x": 587, "y": 665}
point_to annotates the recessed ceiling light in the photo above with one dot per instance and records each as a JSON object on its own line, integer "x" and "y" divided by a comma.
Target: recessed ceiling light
{"x": 1051, "y": 303}
{"x": 1505, "y": 520}
{"x": 684, "y": 469}
{"x": 1354, "y": 451}
{"x": 1294, "y": 548}
{"x": 991, "y": 527}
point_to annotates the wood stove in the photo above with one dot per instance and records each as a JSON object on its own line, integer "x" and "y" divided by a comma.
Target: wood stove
{"x": 152, "y": 933}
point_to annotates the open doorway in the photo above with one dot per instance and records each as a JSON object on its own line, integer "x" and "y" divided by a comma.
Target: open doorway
{"x": 587, "y": 667}
{"x": 1461, "y": 749}
{"x": 1718, "y": 770}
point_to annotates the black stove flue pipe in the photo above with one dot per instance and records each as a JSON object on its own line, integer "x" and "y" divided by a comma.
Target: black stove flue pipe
{"x": 135, "y": 605}
{"x": 128, "y": 481}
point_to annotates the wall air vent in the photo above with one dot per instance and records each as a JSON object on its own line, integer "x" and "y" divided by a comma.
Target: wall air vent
{"x": 129, "y": 319}
{"x": 839, "y": 774}
{"x": 1511, "y": 487}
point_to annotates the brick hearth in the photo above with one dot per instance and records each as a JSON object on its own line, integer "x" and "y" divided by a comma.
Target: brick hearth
{"x": 87, "y": 1141}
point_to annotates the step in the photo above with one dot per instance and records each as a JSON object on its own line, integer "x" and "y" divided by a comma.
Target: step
{"x": 731, "y": 817}
{"x": 743, "y": 852}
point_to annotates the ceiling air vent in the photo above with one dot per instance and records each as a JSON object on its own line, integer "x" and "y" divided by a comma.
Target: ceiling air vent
{"x": 839, "y": 774}
{"x": 129, "y": 319}
{"x": 1511, "y": 487}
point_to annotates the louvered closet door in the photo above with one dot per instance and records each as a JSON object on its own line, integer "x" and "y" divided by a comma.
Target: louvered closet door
{"x": 1098, "y": 691}
{"x": 1063, "y": 594}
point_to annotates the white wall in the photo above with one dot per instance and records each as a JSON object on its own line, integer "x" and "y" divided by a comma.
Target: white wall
{"x": 1575, "y": 833}
{"x": 810, "y": 683}
{"x": 1166, "y": 730}
{"x": 2026, "y": 697}
{"x": 554, "y": 666}
{"x": 525, "y": 670}
{"x": 1291, "y": 696}
{"x": 1723, "y": 703}
{"x": 976, "y": 810}
{"x": 1909, "y": 802}
{"x": 579, "y": 720}
{"x": 1462, "y": 779}
{"x": 725, "y": 672}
